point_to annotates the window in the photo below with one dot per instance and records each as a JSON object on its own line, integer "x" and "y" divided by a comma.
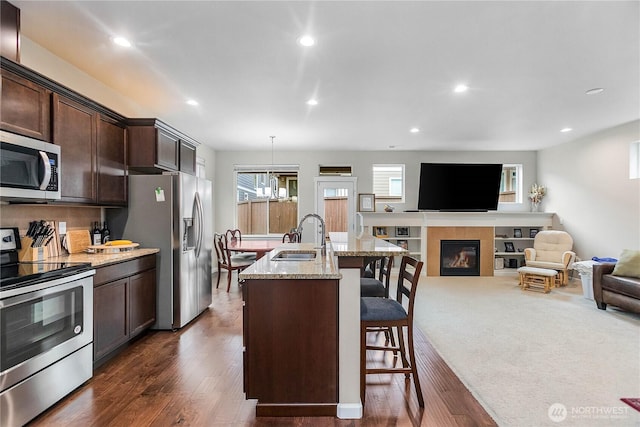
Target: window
{"x": 511, "y": 184}
{"x": 266, "y": 199}
{"x": 388, "y": 182}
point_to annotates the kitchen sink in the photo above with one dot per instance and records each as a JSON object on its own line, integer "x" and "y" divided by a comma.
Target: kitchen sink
{"x": 294, "y": 256}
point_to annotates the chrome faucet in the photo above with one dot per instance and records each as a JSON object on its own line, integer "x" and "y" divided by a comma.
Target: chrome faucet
{"x": 324, "y": 237}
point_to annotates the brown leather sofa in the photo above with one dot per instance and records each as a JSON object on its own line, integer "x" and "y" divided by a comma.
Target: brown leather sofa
{"x": 623, "y": 292}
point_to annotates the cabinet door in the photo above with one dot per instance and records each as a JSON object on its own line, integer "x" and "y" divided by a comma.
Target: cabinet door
{"x": 10, "y": 31}
{"x": 74, "y": 131}
{"x": 142, "y": 301}
{"x": 111, "y": 173}
{"x": 25, "y": 107}
{"x": 168, "y": 150}
{"x": 109, "y": 317}
{"x": 187, "y": 158}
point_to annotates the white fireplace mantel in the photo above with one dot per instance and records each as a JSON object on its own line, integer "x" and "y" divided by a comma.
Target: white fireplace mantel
{"x": 419, "y": 223}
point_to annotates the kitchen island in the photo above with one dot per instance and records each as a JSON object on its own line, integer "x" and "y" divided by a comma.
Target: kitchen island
{"x": 301, "y": 323}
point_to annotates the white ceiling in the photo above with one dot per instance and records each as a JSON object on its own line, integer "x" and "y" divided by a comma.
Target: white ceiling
{"x": 379, "y": 69}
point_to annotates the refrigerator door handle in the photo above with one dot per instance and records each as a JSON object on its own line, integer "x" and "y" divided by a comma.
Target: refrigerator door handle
{"x": 199, "y": 223}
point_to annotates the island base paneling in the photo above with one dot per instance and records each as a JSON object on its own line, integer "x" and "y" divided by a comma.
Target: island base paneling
{"x": 291, "y": 354}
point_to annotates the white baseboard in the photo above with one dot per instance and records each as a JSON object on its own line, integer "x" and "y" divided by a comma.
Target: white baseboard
{"x": 349, "y": 411}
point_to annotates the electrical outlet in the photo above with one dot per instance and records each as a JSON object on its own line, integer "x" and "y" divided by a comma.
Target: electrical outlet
{"x": 62, "y": 228}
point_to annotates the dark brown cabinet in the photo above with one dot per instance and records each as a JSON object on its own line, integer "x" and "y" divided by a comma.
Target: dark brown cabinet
{"x": 75, "y": 132}
{"x": 124, "y": 301}
{"x": 155, "y": 147}
{"x": 109, "y": 317}
{"x": 9, "y": 31}
{"x": 291, "y": 351}
{"x": 25, "y": 108}
{"x": 187, "y": 158}
{"x": 93, "y": 154}
{"x": 92, "y": 137}
{"x": 111, "y": 162}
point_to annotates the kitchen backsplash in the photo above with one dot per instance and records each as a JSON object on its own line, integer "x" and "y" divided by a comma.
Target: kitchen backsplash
{"x": 77, "y": 218}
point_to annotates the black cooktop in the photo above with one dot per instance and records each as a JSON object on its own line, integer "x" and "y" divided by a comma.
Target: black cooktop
{"x": 28, "y": 273}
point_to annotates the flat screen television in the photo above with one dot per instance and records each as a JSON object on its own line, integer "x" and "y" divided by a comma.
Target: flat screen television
{"x": 465, "y": 187}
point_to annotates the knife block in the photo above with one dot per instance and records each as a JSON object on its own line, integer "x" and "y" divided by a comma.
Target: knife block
{"x": 29, "y": 254}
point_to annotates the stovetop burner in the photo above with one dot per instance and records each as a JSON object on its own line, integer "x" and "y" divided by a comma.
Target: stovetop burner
{"x": 29, "y": 273}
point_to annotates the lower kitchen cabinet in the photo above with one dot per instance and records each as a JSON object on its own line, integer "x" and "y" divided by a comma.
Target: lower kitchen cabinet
{"x": 124, "y": 304}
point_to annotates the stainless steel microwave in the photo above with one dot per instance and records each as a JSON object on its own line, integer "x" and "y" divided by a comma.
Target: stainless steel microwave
{"x": 29, "y": 169}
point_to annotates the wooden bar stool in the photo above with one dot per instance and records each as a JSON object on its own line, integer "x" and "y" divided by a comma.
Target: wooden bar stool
{"x": 379, "y": 313}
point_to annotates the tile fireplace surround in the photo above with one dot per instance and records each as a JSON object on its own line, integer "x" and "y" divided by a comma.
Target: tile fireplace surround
{"x": 437, "y": 234}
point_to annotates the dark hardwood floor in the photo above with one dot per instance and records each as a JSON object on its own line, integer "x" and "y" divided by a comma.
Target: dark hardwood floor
{"x": 193, "y": 377}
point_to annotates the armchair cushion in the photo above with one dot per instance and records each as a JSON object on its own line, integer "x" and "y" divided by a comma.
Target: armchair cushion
{"x": 628, "y": 265}
{"x": 550, "y": 245}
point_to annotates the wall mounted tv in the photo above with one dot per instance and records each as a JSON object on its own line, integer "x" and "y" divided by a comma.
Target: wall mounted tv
{"x": 465, "y": 187}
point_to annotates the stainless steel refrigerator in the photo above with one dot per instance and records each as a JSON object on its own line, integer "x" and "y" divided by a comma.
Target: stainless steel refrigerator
{"x": 172, "y": 212}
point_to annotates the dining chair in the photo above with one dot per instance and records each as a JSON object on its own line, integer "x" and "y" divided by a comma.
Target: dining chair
{"x": 224, "y": 259}
{"x": 378, "y": 312}
{"x": 235, "y": 235}
{"x": 292, "y": 237}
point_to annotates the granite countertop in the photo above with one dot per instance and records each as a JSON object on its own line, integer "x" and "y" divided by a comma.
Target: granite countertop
{"x": 322, "y": 267}
{"x": 102, "y": 259}
{"x": 351, "y": 244}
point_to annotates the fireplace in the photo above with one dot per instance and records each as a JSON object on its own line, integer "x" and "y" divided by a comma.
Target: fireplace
{"x": 460, "y": 257}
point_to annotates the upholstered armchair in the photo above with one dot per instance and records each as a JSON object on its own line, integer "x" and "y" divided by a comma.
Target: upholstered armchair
{"x": 552, "y": 249}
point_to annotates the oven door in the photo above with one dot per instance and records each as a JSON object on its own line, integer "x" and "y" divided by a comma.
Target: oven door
{"x": 45, "y": 324}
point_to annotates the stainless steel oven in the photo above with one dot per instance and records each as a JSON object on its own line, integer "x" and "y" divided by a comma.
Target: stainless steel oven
{"x": 29, "y": 169}
{"x": 46, "y": 335}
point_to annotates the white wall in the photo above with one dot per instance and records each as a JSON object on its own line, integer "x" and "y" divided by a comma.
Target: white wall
{"x": 361, "y": 166}
{"x": 590, "y": 190}
{"x": 34, "y": 56}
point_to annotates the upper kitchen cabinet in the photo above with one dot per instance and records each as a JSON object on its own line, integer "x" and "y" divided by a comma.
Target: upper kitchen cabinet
{"x": 92, "y": 138}
{"x": 74, "y": 130}
{"x": 9, "y": 31}
{"x": 26, "y": 106}
{"x": 155, "y": 147}
{"x": 93, "y": 154}
{"x": 112, "y": 155}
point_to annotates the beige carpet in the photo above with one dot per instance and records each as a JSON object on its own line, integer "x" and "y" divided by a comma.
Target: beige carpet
{"x": 522, "y": 352}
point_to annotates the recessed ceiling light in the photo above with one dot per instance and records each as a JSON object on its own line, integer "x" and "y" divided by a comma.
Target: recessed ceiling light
{"x": 192, "y": 102}
{"x": 461, "y": 88}
{"x": 414, "y": 130}
{"x": 307, "y": 41}
{"x": 594, "y": 91}
{"x": 312, "y": 102}
{"x": 565, "y": 130}
{"x": 121, "y": 41}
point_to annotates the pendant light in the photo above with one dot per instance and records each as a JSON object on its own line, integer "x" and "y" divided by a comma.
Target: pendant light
{"x": 273, "y": 180}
